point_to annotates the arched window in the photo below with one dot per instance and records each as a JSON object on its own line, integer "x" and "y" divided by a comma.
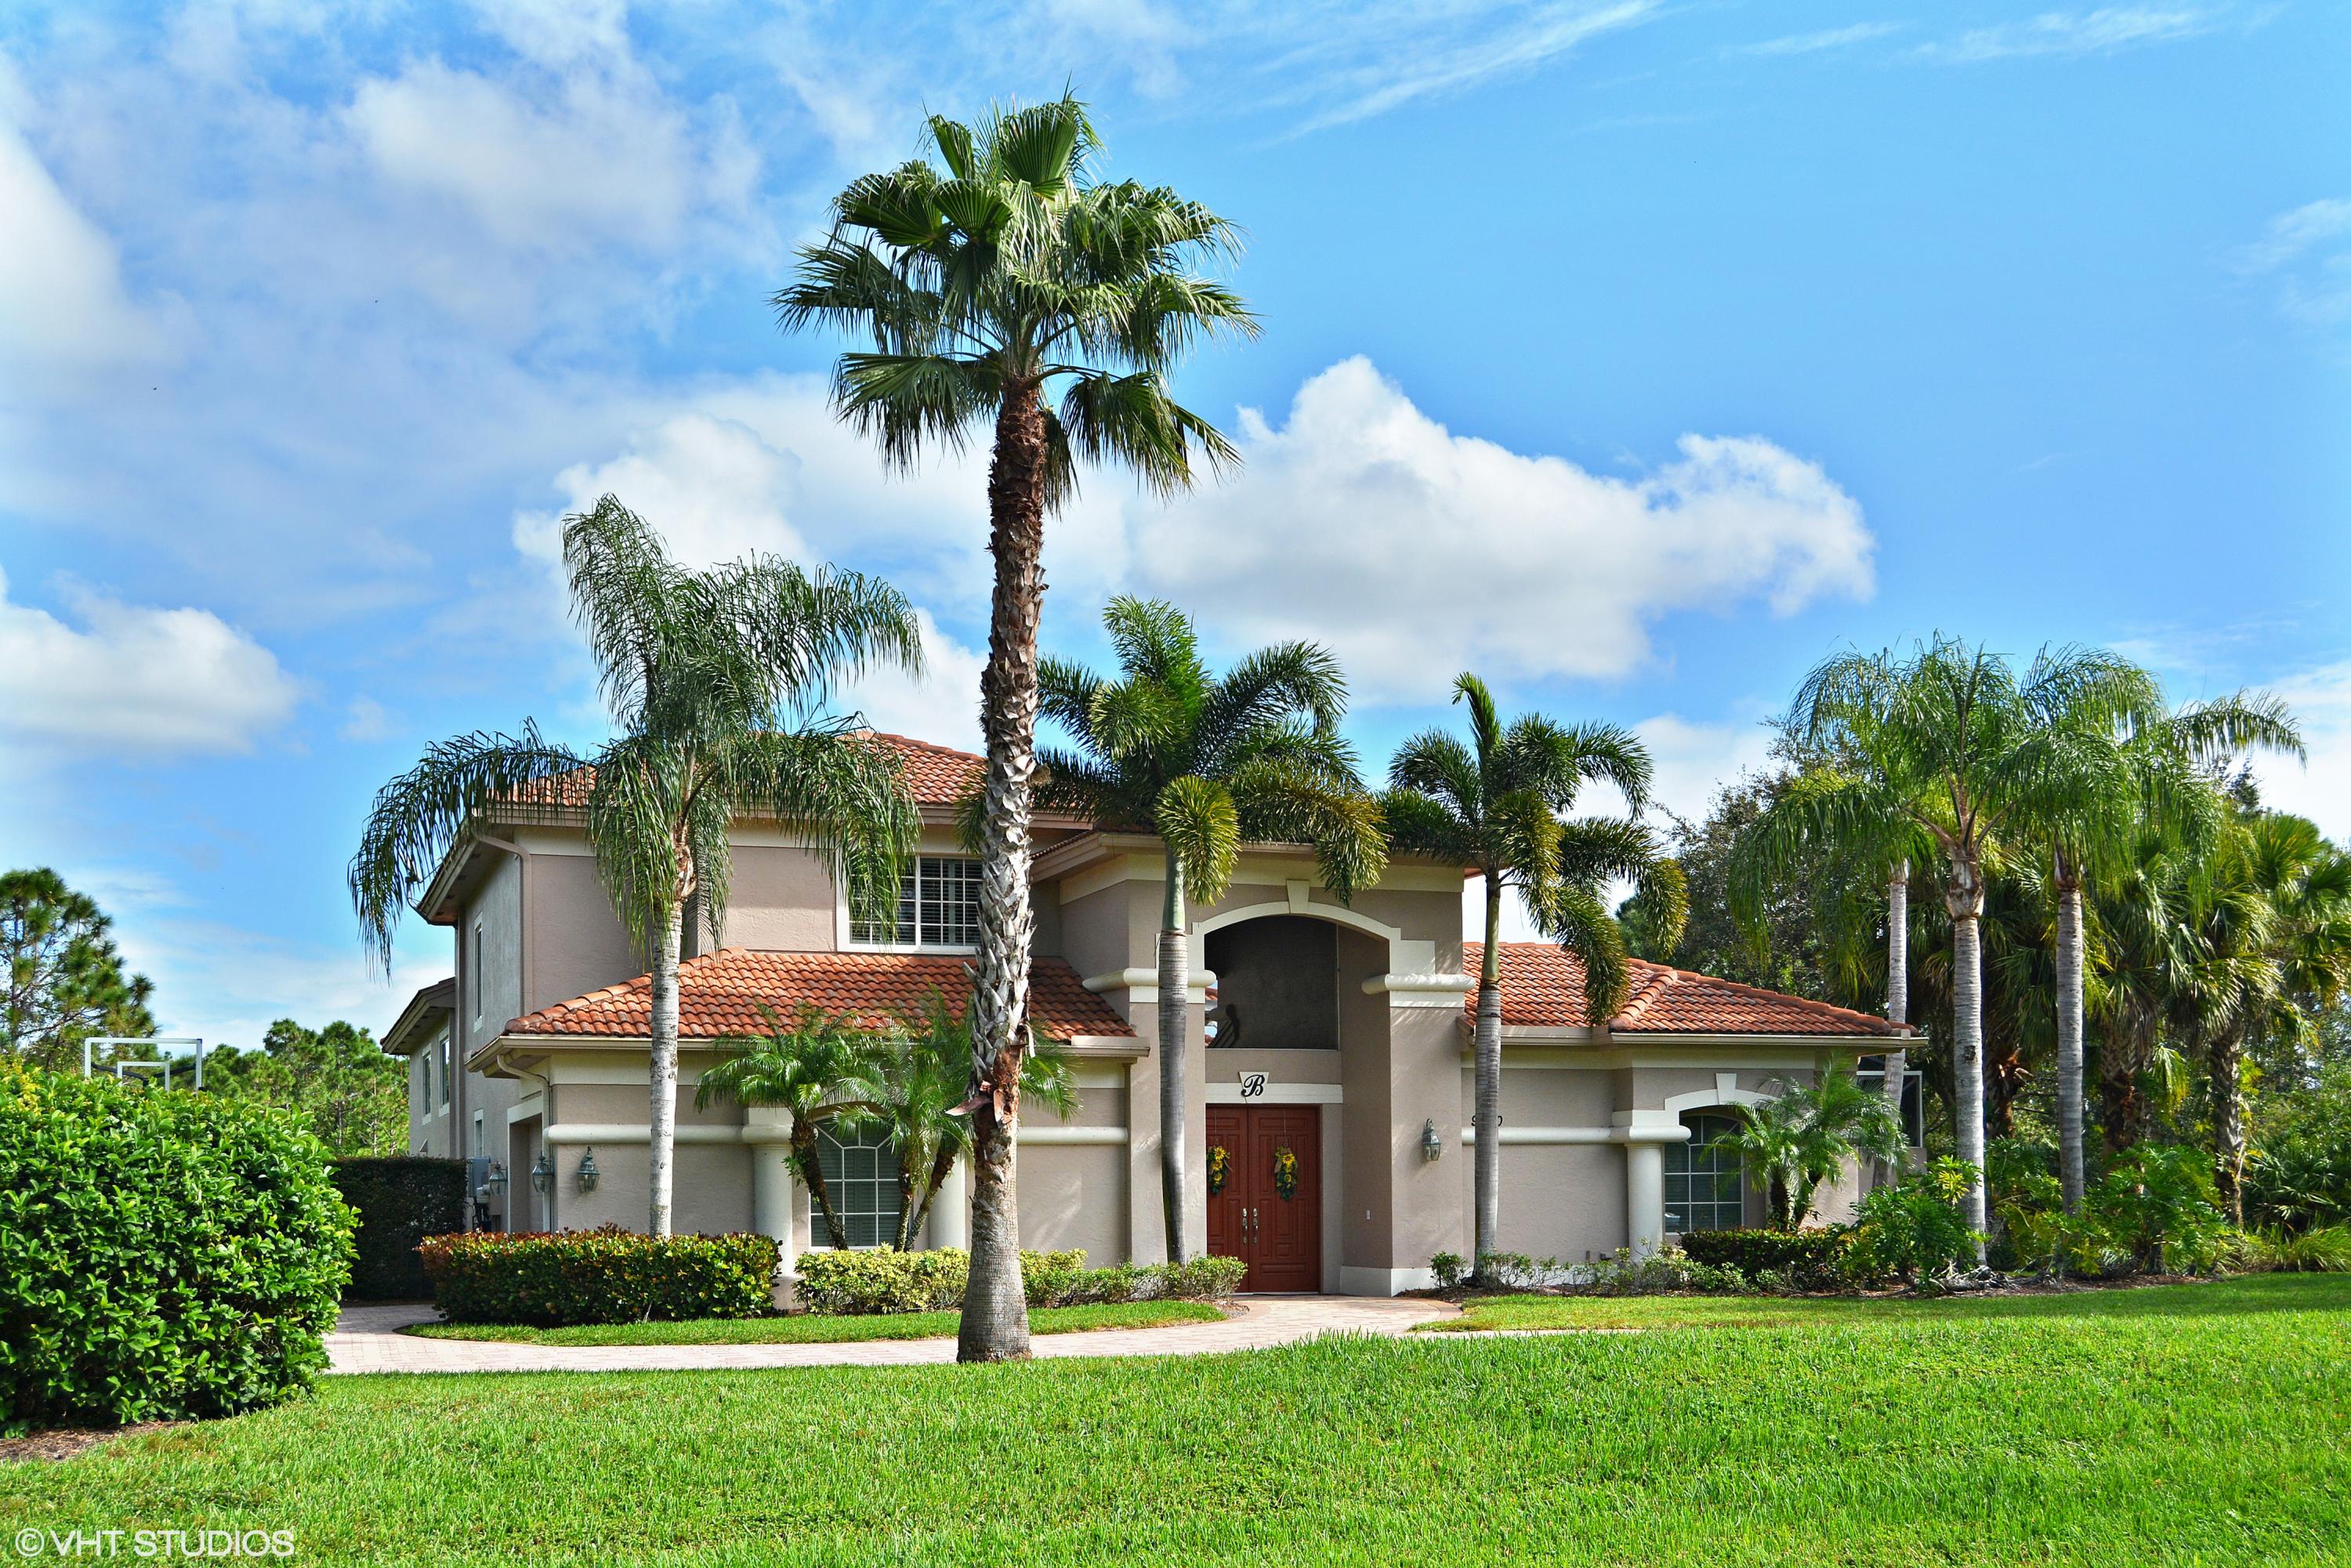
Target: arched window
{"x": 1702, "y": 1186}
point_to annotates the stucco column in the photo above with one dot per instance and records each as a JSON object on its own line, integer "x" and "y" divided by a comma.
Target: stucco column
{"x": 951, "y": 1210}
{"x": 1645, "y": 1197}
{"x": 765, "y": 1129}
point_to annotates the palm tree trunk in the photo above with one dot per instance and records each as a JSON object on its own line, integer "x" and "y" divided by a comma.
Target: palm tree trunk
{"x": 2229, "y": 1125}
{"x": 1965, "y": 900}
{"x": 1487, "y": 1158}
{"x": 660, "y": 1123}
{"x": 811, "y": 1168}
{"x": 1898, "y": 983}
{"x": 2072, "y": 1158}
{"x": 995, "y": 1325}
{"x": 1175, "y": 1049}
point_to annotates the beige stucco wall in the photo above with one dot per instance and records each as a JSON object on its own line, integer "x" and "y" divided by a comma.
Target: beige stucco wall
{"x": 780, "y": 899}
{"x": 1074, "y": 1198}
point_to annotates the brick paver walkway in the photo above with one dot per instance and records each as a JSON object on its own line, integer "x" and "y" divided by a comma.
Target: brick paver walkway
{"x": 366, "y": 1339}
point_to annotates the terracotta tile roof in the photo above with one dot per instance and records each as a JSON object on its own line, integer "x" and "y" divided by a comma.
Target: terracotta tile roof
{"x": 719, "y": 993}
{"x": 1542, "y": 985}
{"x": 938, "y": 775}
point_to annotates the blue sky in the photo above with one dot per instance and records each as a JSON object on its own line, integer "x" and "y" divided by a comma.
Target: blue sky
{"x": 1636, "y": 354}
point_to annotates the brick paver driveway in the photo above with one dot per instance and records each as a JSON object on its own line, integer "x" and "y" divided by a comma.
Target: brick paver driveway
{"x": 366, "y": 1339}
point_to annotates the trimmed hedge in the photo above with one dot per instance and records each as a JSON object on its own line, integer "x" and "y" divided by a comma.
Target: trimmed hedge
{"x": 400, "y": 1201}
{"x": 163, "y": 1255}
{"x": 605, "y": 1276}
{"x": 885, "y": 1280}
{"x": 1808, "y": 1258}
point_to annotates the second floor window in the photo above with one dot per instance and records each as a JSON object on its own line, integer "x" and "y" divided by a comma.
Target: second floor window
{"x": 938, "y": 906}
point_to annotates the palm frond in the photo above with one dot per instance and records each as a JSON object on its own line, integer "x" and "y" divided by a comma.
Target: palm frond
{"x": 418, "y": 818}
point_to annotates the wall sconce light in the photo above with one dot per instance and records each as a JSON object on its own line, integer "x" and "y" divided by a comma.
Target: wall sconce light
{"x": 587, "y": 1171}
{"x": 496, "y": 1181}
{"x": 1431, "y": 1145}
{"x": 542, "y": 1173}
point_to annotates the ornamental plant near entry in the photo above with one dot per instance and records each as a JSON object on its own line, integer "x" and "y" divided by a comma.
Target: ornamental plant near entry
{"x": 607, "y": 1276}
{"x": 163, "y": 1255}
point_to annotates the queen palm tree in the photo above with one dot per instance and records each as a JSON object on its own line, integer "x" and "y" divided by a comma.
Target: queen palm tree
{"x": 985, "y": 282}
{"x": 712, "y": 678}
{"x": 1496, "y": 806}
{"x": 818, "y": 1069}
{"x": 918, "y": 1074}
{"x": 1932, "y": 757}
{"x": 1806, "y": 1134}
{"x": 2104, "y": 785}
{"x": 1207, "y": 762}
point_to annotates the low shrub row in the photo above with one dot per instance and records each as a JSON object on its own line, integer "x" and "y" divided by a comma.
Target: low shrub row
{"x": 1812, "y": 1258}
{"x": 607, "y": 1276}
{"x": 163, "y": 1255}
{"x": 885, "y": 1280}
{"x": 400, "y": 1201}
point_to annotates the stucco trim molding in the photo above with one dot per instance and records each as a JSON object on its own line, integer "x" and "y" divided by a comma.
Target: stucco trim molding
{"x": 569, "y": 1133}
{"x": 1420, "y": 991}
{"x": 1050, "y": 1136}
{"x": 1142, "y": 985}
{"x": 1279, "y": 1095}
{"x": 1726, "y": 1092}
{"x": 1555, "y": 1137}
{"x": 1406, "y": 956}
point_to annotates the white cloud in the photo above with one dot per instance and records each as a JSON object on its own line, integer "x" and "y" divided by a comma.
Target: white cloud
{"x": 2321, "y": 699}
{"x": 2308, "y": 250}
{"x": 941, "y": 705}
{"x": 135, "y": 681}
{"x": 1407, "y": 69}
{"x": 1414, "y": 552}
{"x": 597, "y": 155}
{"x": 1813, "y": 43}
{"x": 2075, "y": 33}
{"x": 365, "y": 720}
{"x": 715, "y": 487}
{"x": 62, "y": 301}
{"x": 1696, "y": 758}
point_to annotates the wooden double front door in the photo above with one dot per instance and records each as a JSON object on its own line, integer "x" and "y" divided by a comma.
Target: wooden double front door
{"x": 1278, "y": 1233}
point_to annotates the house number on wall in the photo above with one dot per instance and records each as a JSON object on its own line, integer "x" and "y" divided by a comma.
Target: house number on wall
{"x": 1253, "y": 1085}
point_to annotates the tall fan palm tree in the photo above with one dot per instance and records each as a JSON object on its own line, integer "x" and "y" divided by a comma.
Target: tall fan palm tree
{"x": 1933, "y": 757}
{"x": 1207, "y": 762}
{"x": 2104, "y": 788}
{"x": 712, "y": 678}
{"x": 1496, "y": 805}
{"x": 985, "y": 282}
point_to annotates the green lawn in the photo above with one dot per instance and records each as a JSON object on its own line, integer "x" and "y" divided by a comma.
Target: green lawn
{"x": 2192, "y": 1425}
{"x": 2228, "y": 1299}
{"x": 813, "y": 1329}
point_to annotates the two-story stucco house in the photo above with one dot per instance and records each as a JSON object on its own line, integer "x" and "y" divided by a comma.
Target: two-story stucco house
{"x": 1339, "y": 1033}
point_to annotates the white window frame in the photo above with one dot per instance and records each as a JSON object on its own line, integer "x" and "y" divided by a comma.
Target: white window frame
{"x": 475, "y": 969}
{"x": 1721, "y": 1114}
{"x": 821, "y": 1240}
{"x": 446, "y": 1048}
{"x": 846, "y": 928}
{"x": 481, "y": 1136}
